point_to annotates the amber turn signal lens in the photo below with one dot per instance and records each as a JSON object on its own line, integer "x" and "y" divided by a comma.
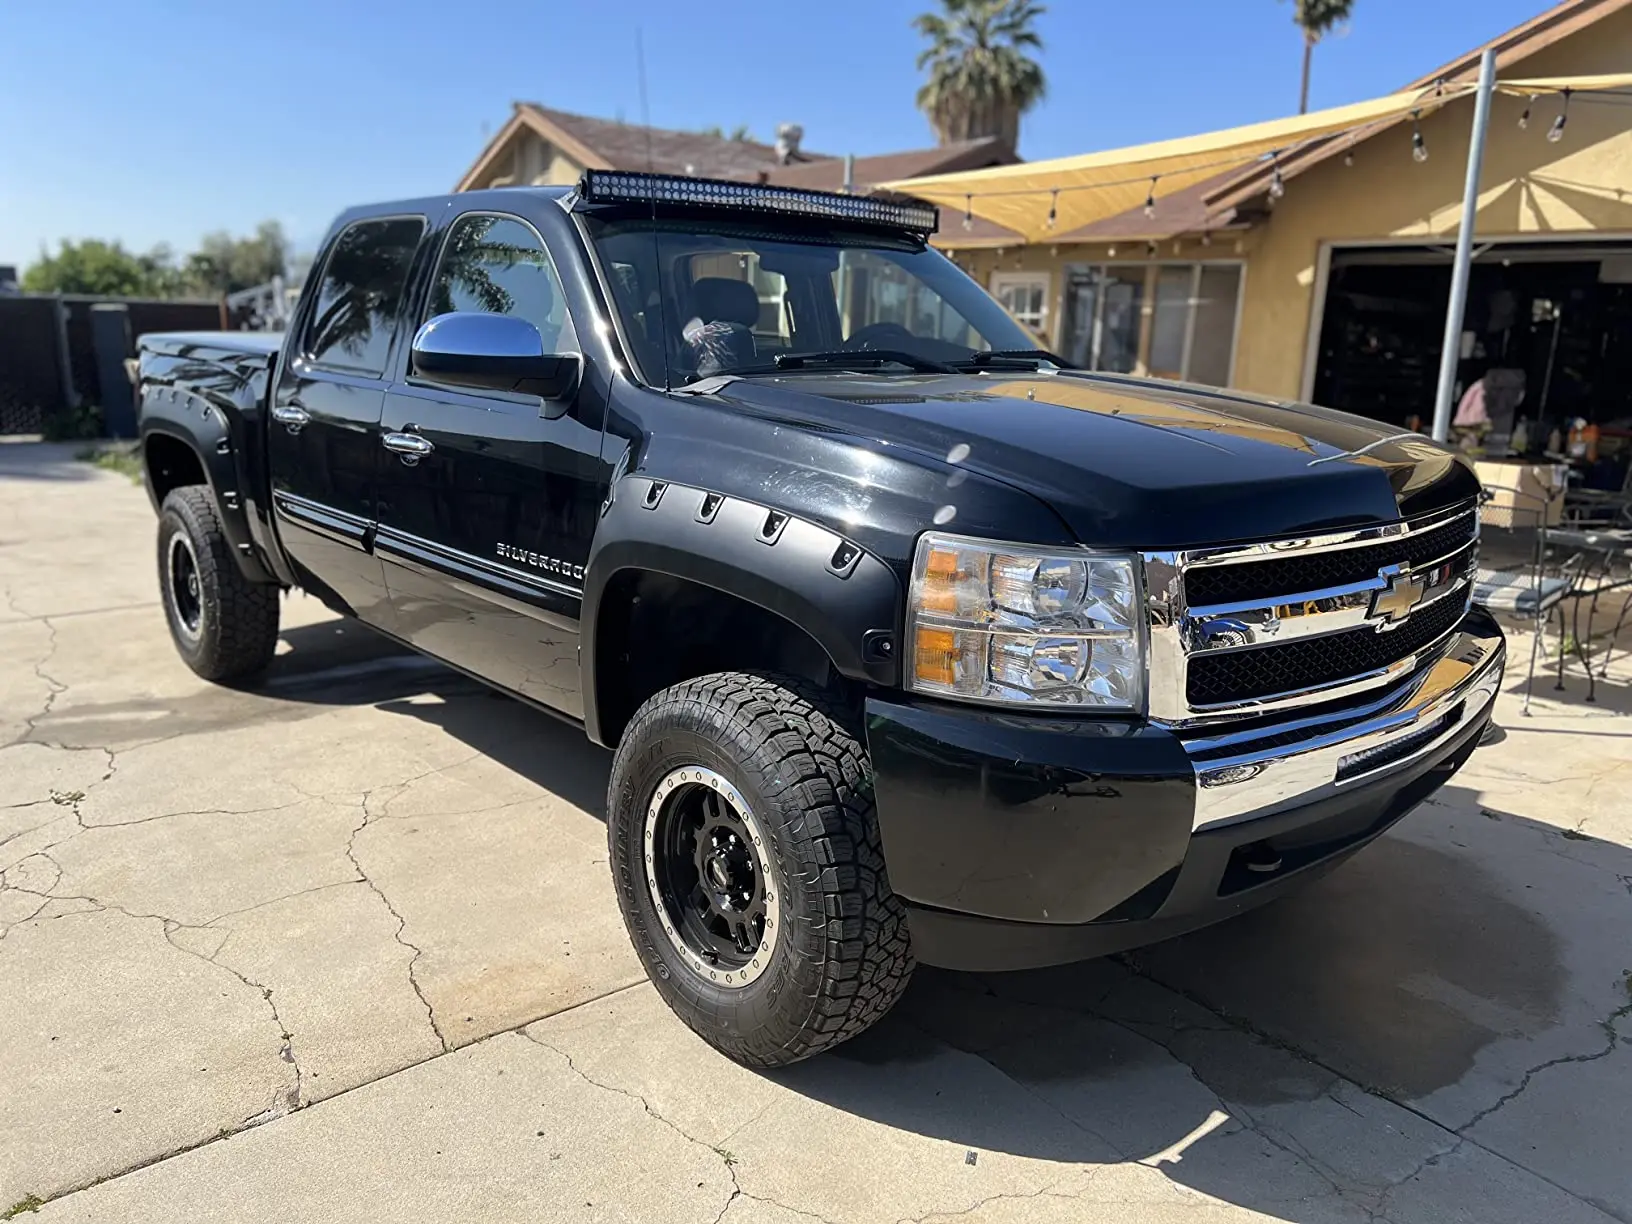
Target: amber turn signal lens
{"x": 939, "y": 592}
{"x": 935, "y": 656}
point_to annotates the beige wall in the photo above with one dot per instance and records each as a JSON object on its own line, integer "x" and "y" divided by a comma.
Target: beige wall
{"x": 531, "y": 160}
{"x": 1530, "y": 188}
{"x": 1582, "y": 185}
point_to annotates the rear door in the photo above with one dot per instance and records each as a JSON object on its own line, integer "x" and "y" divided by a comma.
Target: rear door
{"x": 485, "y": 534}
{"x": 324, "y": 437}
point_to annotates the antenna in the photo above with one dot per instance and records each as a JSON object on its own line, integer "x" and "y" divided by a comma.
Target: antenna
{"x": 645, "y": 111}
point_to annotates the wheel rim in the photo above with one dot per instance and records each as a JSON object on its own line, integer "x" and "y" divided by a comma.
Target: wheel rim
{"x": 186, "y": 588}
{"x": 707, "y": 870}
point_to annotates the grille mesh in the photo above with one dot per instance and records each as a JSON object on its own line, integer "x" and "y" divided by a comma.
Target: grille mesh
{"x": 1243, "y": 675}
{"x": 1294, "y": 575}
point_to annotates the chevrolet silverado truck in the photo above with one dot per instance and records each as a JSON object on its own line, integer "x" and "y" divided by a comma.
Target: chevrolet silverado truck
{"x": 912, "y": 644}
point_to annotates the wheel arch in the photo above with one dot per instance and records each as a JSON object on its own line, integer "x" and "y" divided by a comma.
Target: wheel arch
{"x": 186, "y": 441}
{"x": 758, "y": 588}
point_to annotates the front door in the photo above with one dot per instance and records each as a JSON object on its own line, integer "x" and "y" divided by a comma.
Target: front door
{"x": 485, "y": 521}
{"x": 324, "y": 441}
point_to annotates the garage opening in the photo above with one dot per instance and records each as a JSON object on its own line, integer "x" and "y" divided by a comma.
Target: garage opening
{"x": 1548, "y": 328}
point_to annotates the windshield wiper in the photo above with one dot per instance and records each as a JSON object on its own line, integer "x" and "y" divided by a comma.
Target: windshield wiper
{"x": 1013, "y": 359}
{"x": 861, "y": 359}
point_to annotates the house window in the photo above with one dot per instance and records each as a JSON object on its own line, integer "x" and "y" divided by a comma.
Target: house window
{"x": 1025, "y": 296}
{"x": 1187, "y": 330}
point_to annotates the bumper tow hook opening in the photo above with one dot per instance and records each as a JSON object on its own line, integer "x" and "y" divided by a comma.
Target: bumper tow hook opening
{"x": 1259, "y": 857}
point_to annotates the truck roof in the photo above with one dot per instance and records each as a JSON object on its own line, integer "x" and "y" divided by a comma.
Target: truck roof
{"x": 430, "y": 204}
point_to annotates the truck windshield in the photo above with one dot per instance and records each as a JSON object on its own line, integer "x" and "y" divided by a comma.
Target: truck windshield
{"x": 698, "y": 299}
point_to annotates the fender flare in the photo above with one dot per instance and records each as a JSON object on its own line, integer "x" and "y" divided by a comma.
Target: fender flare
{"x": 848, "y": 600}
{"x": 190, "y": 418}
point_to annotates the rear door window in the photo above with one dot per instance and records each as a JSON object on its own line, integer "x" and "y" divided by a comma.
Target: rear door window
{"x": 359, "y": 298}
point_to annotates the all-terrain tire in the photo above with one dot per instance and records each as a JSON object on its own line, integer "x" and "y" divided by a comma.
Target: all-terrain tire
{"x": 843, "y": 956}
{"x": 225, "y": 627}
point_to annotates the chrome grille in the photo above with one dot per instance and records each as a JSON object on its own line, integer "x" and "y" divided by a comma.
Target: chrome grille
{"x": 1253, "y": 628}
{"x": 1289, "y": 575}
{"x": 1245, "y": 675}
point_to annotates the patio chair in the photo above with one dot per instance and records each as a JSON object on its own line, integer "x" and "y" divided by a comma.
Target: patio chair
{"x": 1602, "y": 506}
{"x": 1525, "y": 574}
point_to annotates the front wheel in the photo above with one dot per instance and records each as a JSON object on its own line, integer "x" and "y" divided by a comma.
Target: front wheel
{"x": 746, "y": 857}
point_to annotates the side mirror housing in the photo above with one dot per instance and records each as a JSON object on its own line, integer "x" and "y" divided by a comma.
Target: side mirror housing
{"x": 493, "y": 352}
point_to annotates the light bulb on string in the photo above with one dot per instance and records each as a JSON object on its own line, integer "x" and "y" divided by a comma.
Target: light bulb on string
{"x": 1277, "y": 185}
{"x": 1524, "y": 118}
{"x": 968, "y": 212}
{"x": 1419, "y": 147}
{"x": 1054, "y": 208}
{"x": 1556, "y": 132}
{"x": 1206, "y": 238}
{"x": 1348, "y": 155}
{"x": 1150, "y": 200}
{"x": 1150, "y": 250}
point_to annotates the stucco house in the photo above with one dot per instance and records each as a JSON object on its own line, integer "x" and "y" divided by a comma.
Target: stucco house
{"x": 1336, "y": 290}
{"x": 540, "y": 145}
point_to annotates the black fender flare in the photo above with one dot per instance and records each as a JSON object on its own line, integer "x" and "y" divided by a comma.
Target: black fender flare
{"x": 848, "y": 600}
{"x": 189, "y": 418}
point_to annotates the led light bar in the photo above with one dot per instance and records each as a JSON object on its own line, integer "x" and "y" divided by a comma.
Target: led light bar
{"x": 610, "y": 186}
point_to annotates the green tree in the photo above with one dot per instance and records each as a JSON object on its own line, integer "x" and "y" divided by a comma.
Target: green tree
{"x": 224, "y": 264}
{"x": 1316, "y": 18}
{"x": 981, "y": 77}
{"x": 103, "y": 268}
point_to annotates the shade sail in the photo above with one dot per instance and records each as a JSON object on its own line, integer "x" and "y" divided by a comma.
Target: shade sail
{"x": 1576, "y": 84}
{"x": 1094, "y": 186}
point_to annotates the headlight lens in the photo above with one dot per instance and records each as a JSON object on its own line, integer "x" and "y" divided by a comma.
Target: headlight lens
{"x": 1016, "y": 625}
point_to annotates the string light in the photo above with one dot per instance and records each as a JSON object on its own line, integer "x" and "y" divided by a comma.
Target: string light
{"x": 1419, "y": 147}
{"x": 1150, "y": 249}
{"x": 1150, "y": 200}
{"x": 1054, "y": 208}
{"x": 969, "y": 212}
{"x": 1207, "y": 238}
{"x": 1277, "y": 185}
{"x": 1556, "y": 132}
{"x": 1524, "y": 119}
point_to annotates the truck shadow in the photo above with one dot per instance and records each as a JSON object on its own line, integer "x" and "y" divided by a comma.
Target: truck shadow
{"x": 1226, "y": 1058}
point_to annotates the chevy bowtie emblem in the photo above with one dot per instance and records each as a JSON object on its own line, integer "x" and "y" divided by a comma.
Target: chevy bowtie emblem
{"x": 1395, "y": 602}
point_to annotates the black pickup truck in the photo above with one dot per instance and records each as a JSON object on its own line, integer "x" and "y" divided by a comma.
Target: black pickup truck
{"x": 913, "y": 643}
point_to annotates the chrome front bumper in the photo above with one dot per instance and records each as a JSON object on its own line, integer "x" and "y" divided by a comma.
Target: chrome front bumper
{"x": 1246, "y": 774}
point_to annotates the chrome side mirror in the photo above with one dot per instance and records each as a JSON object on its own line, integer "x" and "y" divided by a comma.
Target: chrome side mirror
{"x": 493, "y": 352}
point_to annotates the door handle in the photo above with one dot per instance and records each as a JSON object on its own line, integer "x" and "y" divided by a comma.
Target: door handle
{"x": 410, "y": 446}
{"x": 292, "y": 417}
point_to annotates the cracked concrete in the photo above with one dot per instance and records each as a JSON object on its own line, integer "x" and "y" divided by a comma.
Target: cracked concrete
{"x": 343, "y": 947}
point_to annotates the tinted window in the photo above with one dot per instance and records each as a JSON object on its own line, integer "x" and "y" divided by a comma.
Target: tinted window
{"x": 498, "y": 265}
{"x": 361, "y": 293}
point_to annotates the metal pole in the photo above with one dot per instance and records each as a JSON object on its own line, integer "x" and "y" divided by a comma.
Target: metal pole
{"x": 1451, "y": 353}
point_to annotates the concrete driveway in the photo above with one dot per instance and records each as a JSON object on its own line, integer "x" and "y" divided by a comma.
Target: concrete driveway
{"x": 344, "y": 949}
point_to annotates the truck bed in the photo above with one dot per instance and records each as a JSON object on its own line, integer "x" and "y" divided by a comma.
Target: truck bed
{"x": 215, "y": 344}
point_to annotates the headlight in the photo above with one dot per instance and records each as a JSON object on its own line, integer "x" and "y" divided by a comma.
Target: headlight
{"x": 1016, "y": 625}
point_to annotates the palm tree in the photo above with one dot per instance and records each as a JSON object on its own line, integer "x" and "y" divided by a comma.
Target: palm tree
{"x": 981, "y": 79}
{"x": 1316, "y": 18}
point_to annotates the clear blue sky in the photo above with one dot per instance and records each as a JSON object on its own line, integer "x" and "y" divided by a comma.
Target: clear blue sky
{"x": 164, "y": 120}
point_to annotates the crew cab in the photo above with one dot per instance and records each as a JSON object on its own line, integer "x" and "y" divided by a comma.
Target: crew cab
{"x": 911, "y": 642}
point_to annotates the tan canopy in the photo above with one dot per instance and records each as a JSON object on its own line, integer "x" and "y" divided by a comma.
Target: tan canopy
{"x": 1576, "y": 84}
{"x": 1093, "y": 186}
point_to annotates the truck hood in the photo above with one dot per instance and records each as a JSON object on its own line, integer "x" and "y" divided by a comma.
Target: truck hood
{"x": 1132, "y": 463}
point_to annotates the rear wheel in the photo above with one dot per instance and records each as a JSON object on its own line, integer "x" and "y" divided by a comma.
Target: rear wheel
{"x": 225, "y": 627}
{"x": 746, "y": 858}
